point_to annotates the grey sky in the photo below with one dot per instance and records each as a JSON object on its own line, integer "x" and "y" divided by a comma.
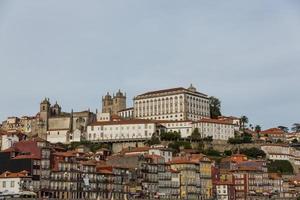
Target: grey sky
{"x": 247, "y": 53}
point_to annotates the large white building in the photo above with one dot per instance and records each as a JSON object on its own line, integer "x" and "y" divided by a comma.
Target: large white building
{"x": 122, "y": 130}
{"x": 172, "y": 104}
{"x": 217, "y": 129}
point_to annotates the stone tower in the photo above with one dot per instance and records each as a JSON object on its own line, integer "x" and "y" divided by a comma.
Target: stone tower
{"x": 119, "y": 102}
{"x": 43, "y": 119}
{"x": 113, "y": 104}
{"x": 107, "y": 103}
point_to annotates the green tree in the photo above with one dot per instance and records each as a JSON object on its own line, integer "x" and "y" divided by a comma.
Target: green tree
{"x": 196, "y": 134}
{"x": 153, "y": 141}
{"x": 170, "y": 136}
{"x": 215, "y": 107}
{"x": 212, "y": 152}
{"x": 244, "y": 121}
{"x": 253, "y": 152}
{"x": 284, "y": 128}
{"x": 296, "y": 127}
{"x": 294, "y": 141}
{"x": 177, "y": 144}
{"x": 257, "y": 128}
{"x": 280, "y": 166}
{"x": 227, "y": 152}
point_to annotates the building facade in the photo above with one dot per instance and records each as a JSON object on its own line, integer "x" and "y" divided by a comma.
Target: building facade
{"x": 122, "y": 130}
{"x": 172, "y": 104}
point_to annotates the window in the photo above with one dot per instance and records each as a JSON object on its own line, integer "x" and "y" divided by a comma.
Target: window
{"x": 4, "y": 184}
{"x": 12, "y": 184}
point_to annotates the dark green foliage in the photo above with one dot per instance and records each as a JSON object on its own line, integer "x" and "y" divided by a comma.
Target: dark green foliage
{"x": 177, "y": 144}
{"x": 153, "y": 141}
{"x": 196, "y": 134}
{"x": 280, "y": 166}
{"x": 244, "y": 138}
{"x": 208, "y": 139}
{"x": 257, "y": 128}
{"x": 284, "y": 128}
{"x": 212, "y": 152}
{"x": 253, "y": 152}
{"x": 296, "y": 127}
{"x": 279, "y": 141}
{"x": 244, "y": 121}
{"x": 227, "y": 153}
{"x": 167, "y": 136}
{"x": 295, "y": 141}
{"x": 215, "y": 107}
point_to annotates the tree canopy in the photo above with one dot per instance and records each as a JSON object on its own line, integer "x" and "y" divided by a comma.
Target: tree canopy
{"x": 215, "y": 107}
{"x": 280, "y": 166}
{"x": 296, "y": 127}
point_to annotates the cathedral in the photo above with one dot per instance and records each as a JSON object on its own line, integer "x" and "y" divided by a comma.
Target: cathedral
{"x": 113, "y": 104}
{"x": 51, "y": 119}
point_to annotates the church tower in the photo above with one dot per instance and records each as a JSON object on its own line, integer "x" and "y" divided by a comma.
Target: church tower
{"x": 107, "y": 103}
{"x": 44, "y": 116}
{"x": 113, "y": 104}
{"x": 119, "y": 102}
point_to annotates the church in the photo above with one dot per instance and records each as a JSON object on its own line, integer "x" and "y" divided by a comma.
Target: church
{"x": 57, "y": 126}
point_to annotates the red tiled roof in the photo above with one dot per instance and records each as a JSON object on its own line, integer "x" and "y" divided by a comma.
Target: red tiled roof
{"x": 26, "y": 157}
{"x": 216, "y": 121}
{"x": 178, "y": 89}
{"x": 7, "y": 174}
{"x": 135, "y": 150}
{"x": 273, "y": 131}
{"x": 26, "y": 146}
{"x": 122, "y": 122}
{"x": 182, "y": 160}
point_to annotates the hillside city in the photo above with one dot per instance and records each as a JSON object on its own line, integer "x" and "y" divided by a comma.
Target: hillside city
{"x": 171, "y": 144}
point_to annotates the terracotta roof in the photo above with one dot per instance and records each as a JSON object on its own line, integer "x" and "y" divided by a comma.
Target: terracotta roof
{"x": 178, "y": 89}
{"x": 7, "y": 174}
{"x": 26, "y": 146}
{"x": 182, "y": 160}
{"x": 35, "y": 157}
{"x": 135, "y": 150}
{"x": 172, "y": 121}
{"x": 126, "y": 109}
{"x": 273, "y": 131}
{"x": 123, "y": 122}
{"x": 104, "y": 171}
{"x": 153, "y": 157}
{"x": 216, "y": 121}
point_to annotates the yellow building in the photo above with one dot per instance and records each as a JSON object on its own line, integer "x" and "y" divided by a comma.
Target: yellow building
{"x": 205, "y": 171}
{"x": 189, "y": 177}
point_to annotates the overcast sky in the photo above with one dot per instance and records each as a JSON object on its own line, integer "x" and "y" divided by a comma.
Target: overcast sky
{"x": 247, "y": 54}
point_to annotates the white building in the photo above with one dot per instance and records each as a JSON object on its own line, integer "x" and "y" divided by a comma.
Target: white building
{"x": 14, "y": 183}
{"x": 222, "y": 192}
{"x": 122, "y": 130}
{"x": 217, "y": 129}
{"x": 172, "y": 104}
{"x": 126, "y": 113}
{"x": 7, "y": 139}
{"x": 184, "y": 127}
{"x": 63, "y": 136}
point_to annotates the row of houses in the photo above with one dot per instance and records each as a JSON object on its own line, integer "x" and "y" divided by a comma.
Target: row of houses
{"x": 239, "y": 178}
{"x": 49, "y": 171}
